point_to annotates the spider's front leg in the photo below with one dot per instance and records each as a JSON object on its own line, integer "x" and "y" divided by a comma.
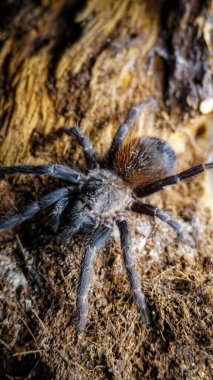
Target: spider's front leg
{"x": 64, "y": 172}
{"x": 97, "y": 241}
{"x": 33, "y": 208}
{"x": 132, "y": 273}
{"x": 75, "y": 218}
{"x": 56, "y": 213}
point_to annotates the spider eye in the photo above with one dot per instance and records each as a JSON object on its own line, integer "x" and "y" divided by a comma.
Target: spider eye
{"x": 140, "y": 161}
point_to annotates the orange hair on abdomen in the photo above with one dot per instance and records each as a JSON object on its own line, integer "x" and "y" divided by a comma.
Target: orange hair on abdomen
{"x": 140, "y": 161}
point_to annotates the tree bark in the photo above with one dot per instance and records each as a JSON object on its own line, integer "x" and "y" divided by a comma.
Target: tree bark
{"x": 66, "y": 62}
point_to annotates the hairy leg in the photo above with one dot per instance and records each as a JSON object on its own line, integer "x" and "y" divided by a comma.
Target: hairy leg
{"x": 90, "y": 156}
{"x": 134, "y": 279}
{"x": 155, "y": 186}
{"x": 64, "y": 172}
{"x": 33, "y": 208}
{"x": 97, "y": 241}
{"x": 146, "y": 209}
{"x": 55, "y": 216}
{"x": 124, "y": 128}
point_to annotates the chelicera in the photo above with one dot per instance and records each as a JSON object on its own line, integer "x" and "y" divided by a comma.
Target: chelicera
{"x": 95, "y": 200}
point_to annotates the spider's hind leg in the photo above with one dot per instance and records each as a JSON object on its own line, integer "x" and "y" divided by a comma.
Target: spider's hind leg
{"x": 124, "y": 128}
{"x": 75, "y": 218}
{"x": 151, "y": 210}
{"x": 132, "y": 273}
{"x": 155, "y": 186}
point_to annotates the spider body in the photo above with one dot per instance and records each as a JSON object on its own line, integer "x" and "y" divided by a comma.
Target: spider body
{"x": 93, "y": 201}
{"x": 104, "y": 192}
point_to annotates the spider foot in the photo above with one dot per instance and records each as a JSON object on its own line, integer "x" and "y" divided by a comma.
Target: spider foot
{"x": 186, "y": 238}
{"x": 140, "y": 301}
{"x": 36, "y": 278}
{"x": 79, "y": 321}
{"x": 160, "y": 51}
{"x": 145, "y": 315}
{"x": 188, "y": 241}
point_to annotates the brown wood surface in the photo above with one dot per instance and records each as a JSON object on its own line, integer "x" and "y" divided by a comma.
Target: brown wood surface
{"x": 63, "y": 62}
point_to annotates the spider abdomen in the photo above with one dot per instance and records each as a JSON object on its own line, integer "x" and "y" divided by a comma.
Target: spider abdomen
{"x": 142, "y": 160}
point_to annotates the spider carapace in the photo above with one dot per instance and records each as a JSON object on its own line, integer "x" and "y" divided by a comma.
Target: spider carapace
{"x": 93, "y": 201}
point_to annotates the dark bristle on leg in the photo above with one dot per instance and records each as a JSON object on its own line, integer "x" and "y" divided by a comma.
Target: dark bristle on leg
{"x": 97, "y": 241}
{"x": 124, "y": 128}
{"x": 134, "y": 279}
{"x": 90, "y": 156}
{"x": 158, "y": 185}
{"x": 64, "y": 172}
{"x": 33, "y": 208}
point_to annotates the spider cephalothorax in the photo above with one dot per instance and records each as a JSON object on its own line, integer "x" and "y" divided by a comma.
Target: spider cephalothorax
{"x": 95, "y": 200}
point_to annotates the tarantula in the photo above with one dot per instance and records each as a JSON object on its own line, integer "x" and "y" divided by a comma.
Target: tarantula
{"x": 95, "y": 200}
